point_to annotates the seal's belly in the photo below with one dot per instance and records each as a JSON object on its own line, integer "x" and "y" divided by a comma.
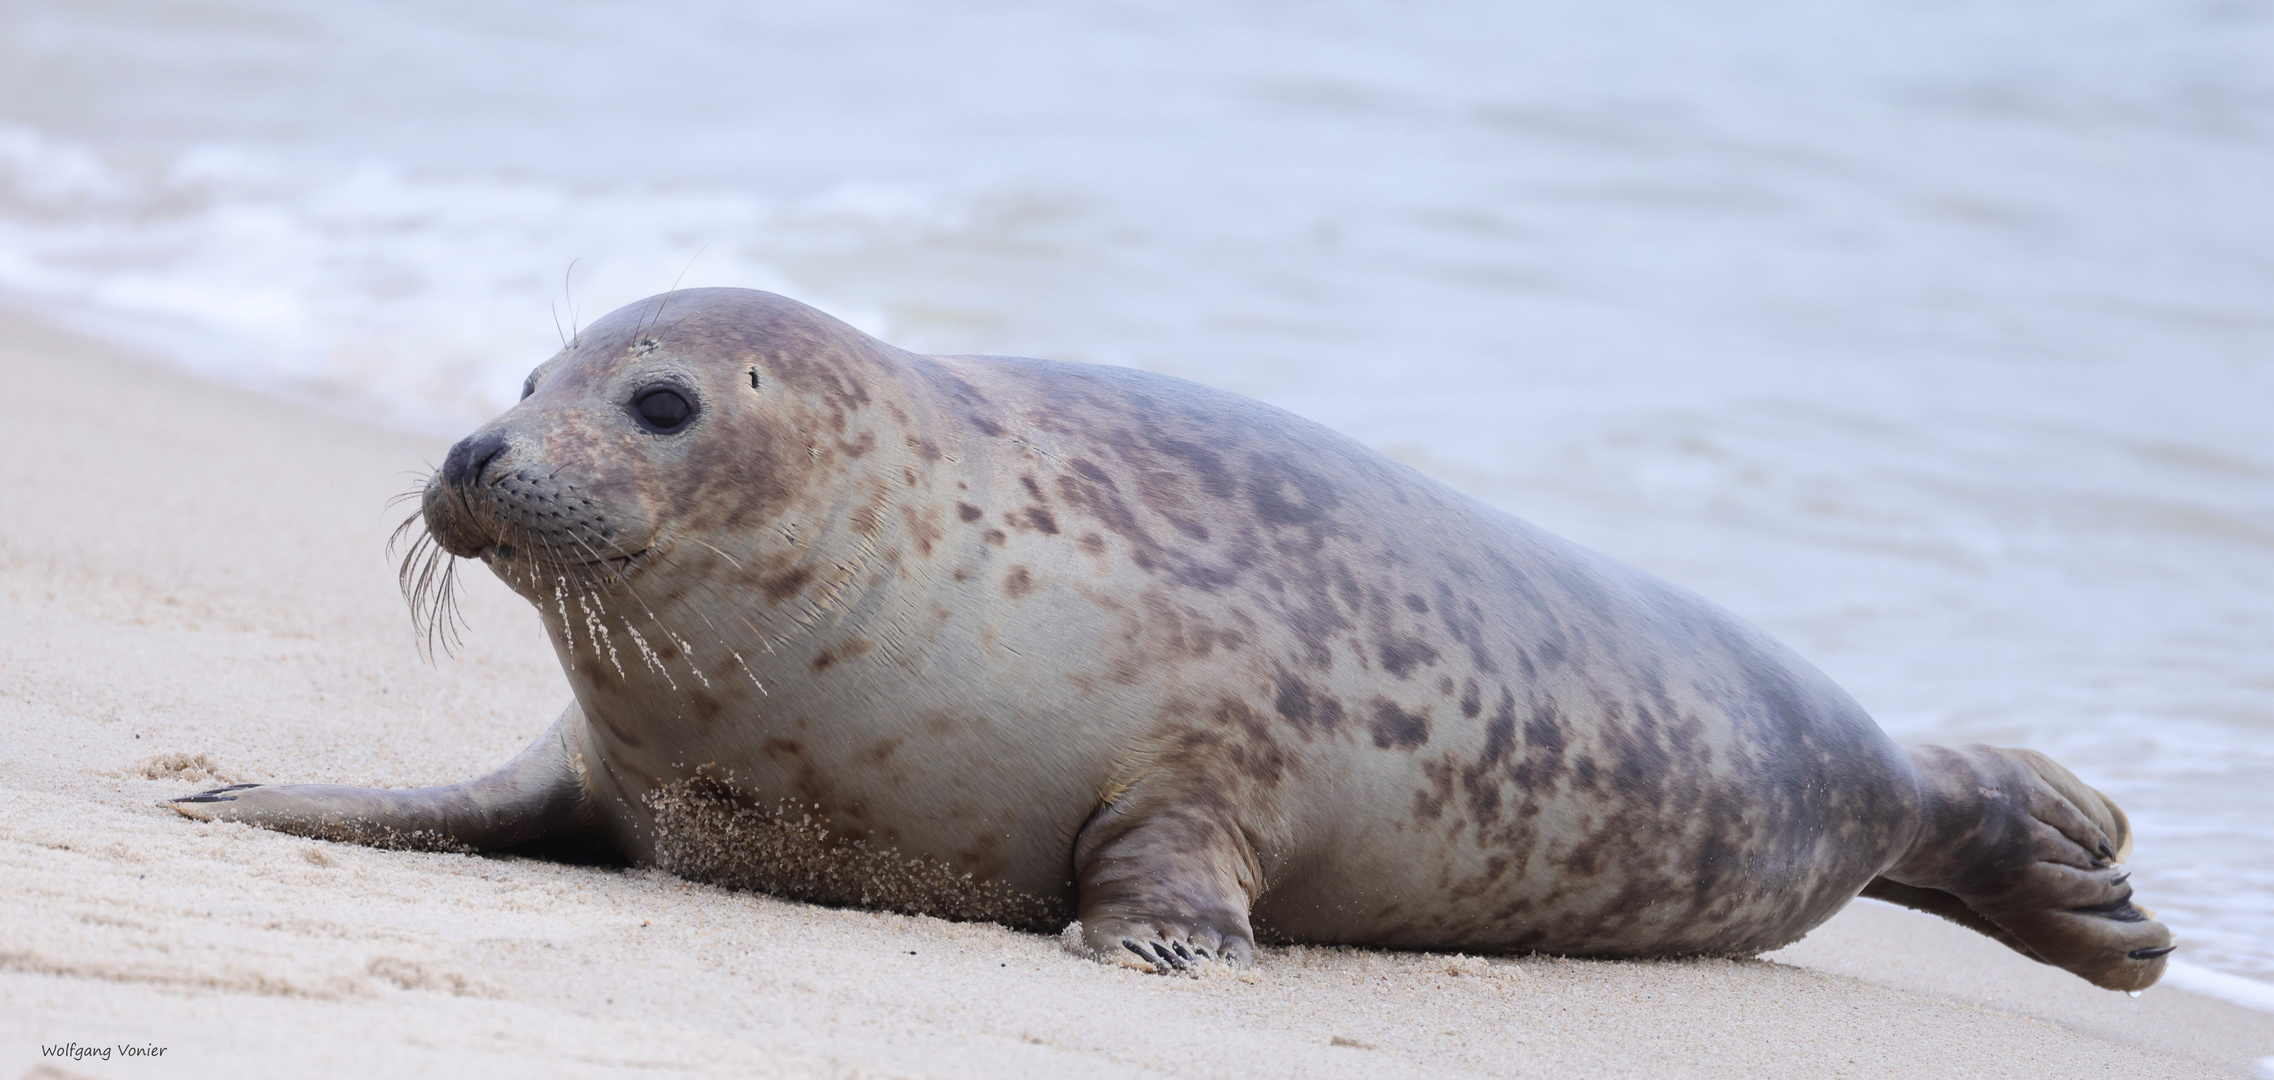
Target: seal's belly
{"x": 705, "y": 831}
{"x": 899, "y": 811}
{"x": 1574, "y": 871}
{"x": 1684, "y": 821}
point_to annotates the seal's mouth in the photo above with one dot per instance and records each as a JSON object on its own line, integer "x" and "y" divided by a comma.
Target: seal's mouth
{"x": 578, "y": 558}
{"x": 622, "y": 565}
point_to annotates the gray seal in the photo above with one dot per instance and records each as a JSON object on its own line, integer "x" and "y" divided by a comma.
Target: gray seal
{"x": 1013, "y": 640}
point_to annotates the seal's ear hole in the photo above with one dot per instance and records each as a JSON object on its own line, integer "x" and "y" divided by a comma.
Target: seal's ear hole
{"x": 754, "y": 378}
{"x": 662, "y": 409}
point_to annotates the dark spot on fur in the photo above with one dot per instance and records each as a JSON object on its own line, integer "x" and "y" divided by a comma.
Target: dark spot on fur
{"x": 844, "y": 650}
{"x": 1163, "y": 493}
{"x": 1415, "y": 603}
{"x": 942, "y": 725}
{"x": 1465, "y": 621}
{"x": 1017, "y": 584}
{"x": 1310, "y": 712}
{"x": 922, "y": 529}
{"x": 1544, "y": 743}
{"x": 1401, "y": 657}
{"x": 994, "y": 536}
{"x": 706, "y": 706}
{"x": 784, "y": 585}
{"x": 1552, "y": 652}
{"x": 628, "y": 738}
{"x": 1481, "y": 780}
{"x": 1036, "y": 518}
{"x": 1286, "y": 494}
{"x": 1257, "y": 754}
{"x": 966, "y": 511}
{"x": 1393, "y": 726}
{"x": 1429, "y": 802}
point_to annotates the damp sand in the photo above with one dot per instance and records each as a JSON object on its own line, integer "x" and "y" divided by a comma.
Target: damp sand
{"x": 193, "y": 590}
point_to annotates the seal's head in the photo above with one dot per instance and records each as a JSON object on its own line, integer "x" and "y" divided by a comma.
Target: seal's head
{"x": 690, "y": 418}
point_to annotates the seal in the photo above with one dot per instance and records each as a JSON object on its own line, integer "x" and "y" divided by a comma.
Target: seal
{"x": 1013, "y": 640}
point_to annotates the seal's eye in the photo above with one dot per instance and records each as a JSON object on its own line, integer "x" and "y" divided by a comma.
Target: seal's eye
{"x": 662, "y": 410}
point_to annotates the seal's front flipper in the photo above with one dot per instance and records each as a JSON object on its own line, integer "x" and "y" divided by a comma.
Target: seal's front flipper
{"x": 1165, "y": 884}
{"x": 2015, "y": 846}
{"x": 539, "y": 793}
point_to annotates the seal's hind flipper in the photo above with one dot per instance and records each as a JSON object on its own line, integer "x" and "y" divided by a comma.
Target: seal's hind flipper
{"x": 1938, "y": 902}
{"x": 2015, "y": 846}
{"x": 539, "y": 793}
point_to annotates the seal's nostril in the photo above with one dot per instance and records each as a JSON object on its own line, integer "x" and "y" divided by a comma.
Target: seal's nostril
{"x": 470, "y": 457}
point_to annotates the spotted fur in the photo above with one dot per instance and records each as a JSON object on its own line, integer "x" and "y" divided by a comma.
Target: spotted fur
{"x": 1041, "y": 638}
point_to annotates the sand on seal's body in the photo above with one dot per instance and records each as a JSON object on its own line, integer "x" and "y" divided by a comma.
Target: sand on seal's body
{"x": 192, "y": 589}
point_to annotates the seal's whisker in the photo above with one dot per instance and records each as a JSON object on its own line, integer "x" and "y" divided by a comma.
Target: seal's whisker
{"x": 615, "y": 576}
{"x": 428, "y": 576}
{"x": 662, "y": 545}
{"x": 731, "y": 560}
{"x": 546, "y": 562}
{"x": 665, "y": 300}
{"x": 686, "y": 649}
{"x": 568, "y": 293}
{"x": 417, "y": 490}
{"x": 725, "y": 602}
{"x": 647, "y": 652}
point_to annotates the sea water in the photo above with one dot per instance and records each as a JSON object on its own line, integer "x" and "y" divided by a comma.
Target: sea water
{"x": 1937, "y": 338}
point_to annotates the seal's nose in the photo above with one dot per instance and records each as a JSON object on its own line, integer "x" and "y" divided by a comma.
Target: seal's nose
{"x": 472, "y": 455}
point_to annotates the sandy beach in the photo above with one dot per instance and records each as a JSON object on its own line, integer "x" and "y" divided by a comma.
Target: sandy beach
{"x": 194, "y": 590}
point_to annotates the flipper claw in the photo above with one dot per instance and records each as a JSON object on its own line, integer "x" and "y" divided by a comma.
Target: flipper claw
{"x": 219, "y": 794}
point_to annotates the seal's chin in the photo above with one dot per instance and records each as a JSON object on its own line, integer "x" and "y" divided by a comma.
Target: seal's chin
{"x": 453, "y": 524}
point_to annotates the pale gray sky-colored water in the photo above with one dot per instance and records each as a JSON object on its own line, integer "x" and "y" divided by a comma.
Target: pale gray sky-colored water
{"x": 1938, "y": 338}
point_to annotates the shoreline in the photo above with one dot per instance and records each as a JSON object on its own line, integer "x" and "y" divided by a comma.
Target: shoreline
{"x": 196, "y": 592}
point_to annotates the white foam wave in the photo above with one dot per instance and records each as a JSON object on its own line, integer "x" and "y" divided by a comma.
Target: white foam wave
{"x": 372, "y": 287}
{"x": 2232, "y": 989}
